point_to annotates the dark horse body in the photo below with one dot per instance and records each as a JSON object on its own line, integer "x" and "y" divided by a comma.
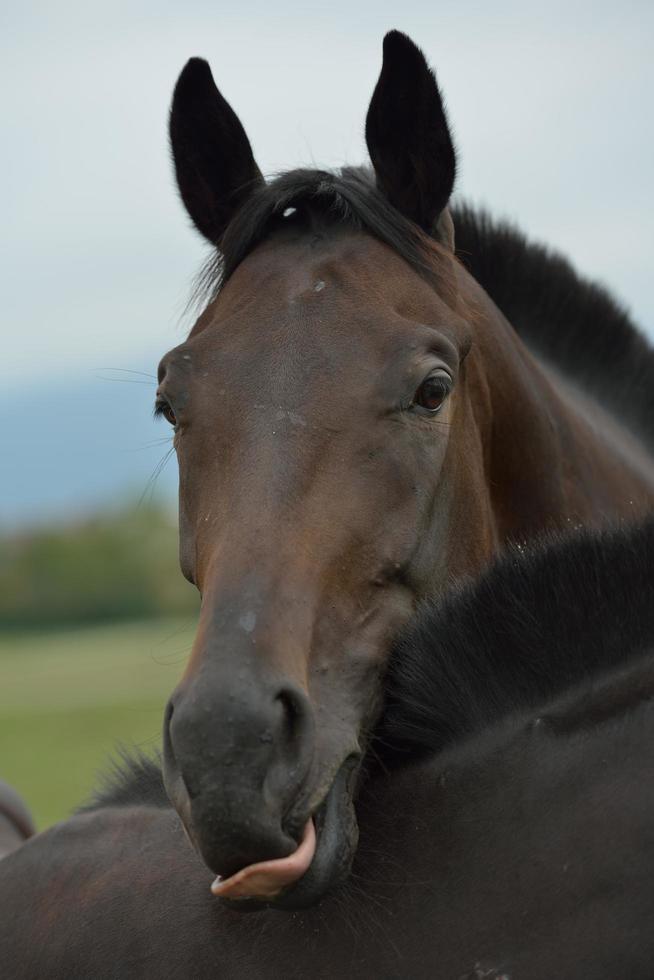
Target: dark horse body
{"x": 518, "y": 843}
{"x": 357, "y": 424}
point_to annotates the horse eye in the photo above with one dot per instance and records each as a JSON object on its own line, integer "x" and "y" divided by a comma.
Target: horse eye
{"x": 164, "y": 408}
{"x": 432, "y": 392}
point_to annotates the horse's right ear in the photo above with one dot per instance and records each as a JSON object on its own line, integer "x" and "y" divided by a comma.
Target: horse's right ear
{"x": 409, "y": 139}
{"x": 213, "y": 158}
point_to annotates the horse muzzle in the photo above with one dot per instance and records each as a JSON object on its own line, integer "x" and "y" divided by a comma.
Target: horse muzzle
{"x": 237, "y": 750}
{"x": 239, "y": 768}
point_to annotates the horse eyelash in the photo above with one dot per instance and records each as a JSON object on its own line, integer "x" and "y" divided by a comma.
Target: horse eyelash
{"x": 159, "y": 410}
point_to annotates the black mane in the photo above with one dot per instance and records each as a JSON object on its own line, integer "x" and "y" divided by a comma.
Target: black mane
{"x": 347, "y": 196}
{"x": 570, "y": 321}
{"x": 536, "y": 623}
{"x": 132, "y": 779}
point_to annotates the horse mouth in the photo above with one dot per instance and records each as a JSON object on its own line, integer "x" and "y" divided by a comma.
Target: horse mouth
{"x": 321, "y": 861}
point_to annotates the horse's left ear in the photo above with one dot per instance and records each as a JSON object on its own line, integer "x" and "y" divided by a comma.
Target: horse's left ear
{"x": 215, "y": 169}
{"x": 409, "y": 140}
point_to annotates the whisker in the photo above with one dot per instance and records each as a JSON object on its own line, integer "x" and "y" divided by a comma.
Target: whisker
{"x": 127, "y": 381}
{"x": 149, "y": 445}
{"x": 143, "y": 374}
{"x": 180, "y": 653}
{"x": 149, "y": 486}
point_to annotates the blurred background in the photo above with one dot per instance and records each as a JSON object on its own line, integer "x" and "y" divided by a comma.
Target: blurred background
{"x": 551, "y": 109}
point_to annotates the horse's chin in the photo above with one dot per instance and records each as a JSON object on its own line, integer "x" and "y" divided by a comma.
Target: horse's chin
{"x": 336, "y": 838}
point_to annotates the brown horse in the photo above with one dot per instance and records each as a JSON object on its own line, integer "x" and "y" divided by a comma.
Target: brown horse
{"x": 358, "y": 424}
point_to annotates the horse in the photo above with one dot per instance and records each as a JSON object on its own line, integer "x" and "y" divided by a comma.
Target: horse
{"x": 509, "y": 837}
{"x": 380, "y": 394}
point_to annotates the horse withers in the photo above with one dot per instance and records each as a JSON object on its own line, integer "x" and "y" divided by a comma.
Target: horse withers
{"x": 358, "y": 424}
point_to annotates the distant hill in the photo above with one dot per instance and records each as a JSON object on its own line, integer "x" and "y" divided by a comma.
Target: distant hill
{"x": 72, "y": 446}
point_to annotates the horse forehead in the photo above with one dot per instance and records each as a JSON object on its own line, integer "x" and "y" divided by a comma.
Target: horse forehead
{"x": 292, "y": 312}
{"x": 339, "y": 267}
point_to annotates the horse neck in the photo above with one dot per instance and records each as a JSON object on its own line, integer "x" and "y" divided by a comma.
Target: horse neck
{"x": 534, "y": 454}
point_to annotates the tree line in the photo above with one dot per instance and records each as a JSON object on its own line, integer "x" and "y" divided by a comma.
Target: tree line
{"x": 119, "y": 564}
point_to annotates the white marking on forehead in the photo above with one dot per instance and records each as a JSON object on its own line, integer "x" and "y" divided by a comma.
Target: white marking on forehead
{"x": 289, "y": 416}
{"x": 248, "y": 621}
{"x": 319, "y": 285}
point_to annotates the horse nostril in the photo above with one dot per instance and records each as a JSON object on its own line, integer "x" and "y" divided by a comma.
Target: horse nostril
{"x": 295, "y": 715}
{"x": 174, "y": 782}
{"x": 236, "y": 759}
{"x": 167, "y": 742}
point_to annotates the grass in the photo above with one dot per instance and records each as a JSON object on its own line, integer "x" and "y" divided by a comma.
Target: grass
{"x": 68, "y": 698}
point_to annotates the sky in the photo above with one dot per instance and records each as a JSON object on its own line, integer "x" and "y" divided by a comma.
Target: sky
{"x": 550, "y": 107}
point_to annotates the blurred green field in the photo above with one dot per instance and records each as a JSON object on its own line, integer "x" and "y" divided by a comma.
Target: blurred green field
{"x": 69, "y": 697}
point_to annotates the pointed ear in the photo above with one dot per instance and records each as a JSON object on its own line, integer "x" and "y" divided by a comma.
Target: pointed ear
{"x": 408, "y": 137}
{"x": 213, "y": 158}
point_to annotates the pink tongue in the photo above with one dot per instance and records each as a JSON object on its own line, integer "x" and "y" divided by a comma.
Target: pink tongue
{"x": 267, "y": 878}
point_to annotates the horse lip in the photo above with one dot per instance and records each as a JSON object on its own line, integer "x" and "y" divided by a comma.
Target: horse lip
{"x": 313, "y": 802}
{"x": 334, "y": 851}
{"x": 340, "y": 782}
